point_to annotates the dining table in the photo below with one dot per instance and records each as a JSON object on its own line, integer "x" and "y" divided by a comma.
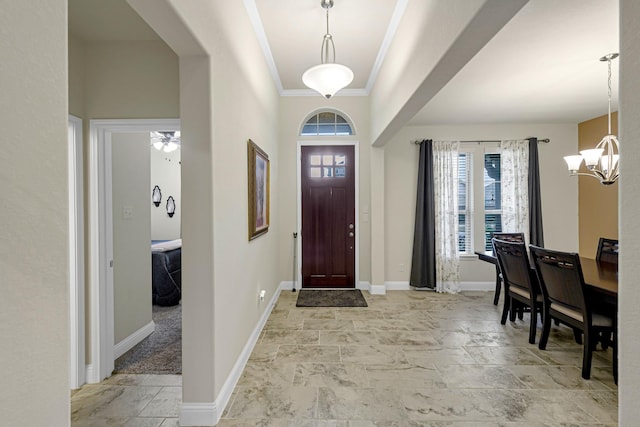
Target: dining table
{"x": 601, "y": 278}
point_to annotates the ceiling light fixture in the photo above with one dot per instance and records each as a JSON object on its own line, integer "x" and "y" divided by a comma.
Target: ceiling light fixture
{"x": 166, "y": 141}
{"x": 602, "y": 161}
{"x": 328, "y": 77}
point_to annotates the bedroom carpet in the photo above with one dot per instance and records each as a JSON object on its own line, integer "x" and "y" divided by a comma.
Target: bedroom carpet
{"x": 160, "y": 352}
{"x": 331, "y": 298}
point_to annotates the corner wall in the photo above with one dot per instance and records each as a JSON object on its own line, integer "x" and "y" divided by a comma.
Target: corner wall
{"x": 34, "y": 259}
{"x": 629, "y": 205}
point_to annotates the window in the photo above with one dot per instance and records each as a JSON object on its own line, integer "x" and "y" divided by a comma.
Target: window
{"x": 327, "y": 166}
{"x": 327, "y": 123}
{"x": 492, "y": 198}
{"x": 465, "y": 241}
{"x": 489, "y": 202}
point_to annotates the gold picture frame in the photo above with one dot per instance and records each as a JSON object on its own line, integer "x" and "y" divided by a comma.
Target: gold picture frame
{"x": 259, "y": 193}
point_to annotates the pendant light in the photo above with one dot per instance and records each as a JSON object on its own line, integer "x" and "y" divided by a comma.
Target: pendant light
{"x": 601, "y": 161}
{"x": 328, "y": 77}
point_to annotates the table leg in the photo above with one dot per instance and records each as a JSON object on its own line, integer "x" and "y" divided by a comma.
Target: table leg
{"x": 498, "y": 286}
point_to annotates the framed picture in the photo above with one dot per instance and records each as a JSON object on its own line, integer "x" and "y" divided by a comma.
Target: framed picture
{"x": 258, "y": 167}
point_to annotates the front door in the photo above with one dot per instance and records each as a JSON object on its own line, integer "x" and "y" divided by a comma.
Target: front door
{"x": 328, "y": 216}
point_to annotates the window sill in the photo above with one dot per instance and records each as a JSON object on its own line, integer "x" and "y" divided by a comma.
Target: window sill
{"x": 468, "y": 257}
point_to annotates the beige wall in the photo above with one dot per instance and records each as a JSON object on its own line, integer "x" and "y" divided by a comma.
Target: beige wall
{"x": 76, "y": 76}
{"x": 165, "y": 173}
{"x": 118, "y": 80}
{"x": 34, "y": 257}
{"x": 598, "y": 207}
{"x": 227, "y": 97}
{"x": 629, "y": 205}
{"x": 131, "y": 234}
{"x": 293, "y": 112}
{"x": 130, "y": 79}
{"x": 558, "y": 190}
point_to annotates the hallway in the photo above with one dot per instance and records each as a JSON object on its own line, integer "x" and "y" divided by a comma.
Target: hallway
{"x": 409, "y": 359}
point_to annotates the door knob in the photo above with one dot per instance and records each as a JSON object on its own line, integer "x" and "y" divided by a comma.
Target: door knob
{"x": 351, "y": 234}
{"x": 350, "y": 226}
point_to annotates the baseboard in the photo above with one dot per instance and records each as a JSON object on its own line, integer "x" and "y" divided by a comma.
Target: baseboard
{"x": 89, "y": 377}
{"x": 464, "y": 286}
{"x": 377, "y": 290}
{"x": 478, "y": 286}
{"x": 132, "y": 340}
{"x": 206, "y": 414}
{"x": 287, "y": 285}
{"x": 397, "y": 286}
{"x": 364, "y": 286}
{"x": 199, "y": 414}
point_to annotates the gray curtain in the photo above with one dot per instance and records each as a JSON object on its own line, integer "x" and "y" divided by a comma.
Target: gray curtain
{"x": 423, "y": 261}
{"x": 536, "y": 236}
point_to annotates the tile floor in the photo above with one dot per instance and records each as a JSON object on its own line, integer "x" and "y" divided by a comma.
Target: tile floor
{"x": 410, "y": 359}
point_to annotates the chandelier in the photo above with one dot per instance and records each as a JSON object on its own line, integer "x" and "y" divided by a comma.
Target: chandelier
{"x": 601, "y": 161}
{"x": 166, "y": 141}
{"x": 328, "y": 77}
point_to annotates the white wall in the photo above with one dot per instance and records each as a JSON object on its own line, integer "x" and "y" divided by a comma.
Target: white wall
{"x": 165, "y": 173}
{"x": 558, "y": 190}
{"x": 131, "y": 233}
{"x": 34, "y": 258}
{"x": 293, "y": 112}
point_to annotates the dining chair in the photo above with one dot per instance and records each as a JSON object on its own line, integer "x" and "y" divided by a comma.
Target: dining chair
{"x": 509, "y": 237}
{"x": 564, "y": 299}
{"x": 607, "y": 250}
{"x": 520, "y": 282}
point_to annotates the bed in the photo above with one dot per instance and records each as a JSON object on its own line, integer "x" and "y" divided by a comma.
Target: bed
{"x": 166, "y": 278}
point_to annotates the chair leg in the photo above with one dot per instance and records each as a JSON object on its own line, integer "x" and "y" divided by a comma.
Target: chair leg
{"x": 515, "y": 306}
{"x": 587, "y": 354}
{"x": 496, "y": 297}
{"x": 577, "y": 334}
{"x": 533, "y": 324}
{"x": 505, "y": 309}
{"x": 546, "y": 328}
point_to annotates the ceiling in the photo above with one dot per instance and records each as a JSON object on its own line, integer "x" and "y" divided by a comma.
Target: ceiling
{"x": 542, "y": 67}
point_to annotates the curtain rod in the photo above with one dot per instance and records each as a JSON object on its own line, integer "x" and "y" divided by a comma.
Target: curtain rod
{"x": 419, "y": 141}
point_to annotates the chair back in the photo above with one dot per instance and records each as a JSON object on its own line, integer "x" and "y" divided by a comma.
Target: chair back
{"x": 607, "y": 250}
{"x": 509, "y": 237}
{"x": 513, "y": 260}
{"x": 561, "y": 281}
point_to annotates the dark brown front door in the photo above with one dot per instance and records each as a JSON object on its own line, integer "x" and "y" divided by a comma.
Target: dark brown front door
{"x": 328, "y": 216}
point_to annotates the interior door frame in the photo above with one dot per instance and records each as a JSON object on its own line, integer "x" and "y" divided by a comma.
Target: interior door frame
{"x": 101, "y": 235}
{"x": 77, "y": 362}
{"x": 356, "y": 155}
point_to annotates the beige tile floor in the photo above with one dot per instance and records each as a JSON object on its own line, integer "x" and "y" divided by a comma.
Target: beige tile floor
{"x": 410, "y": 359}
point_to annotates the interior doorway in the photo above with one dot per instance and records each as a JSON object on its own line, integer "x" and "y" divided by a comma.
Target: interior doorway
{"x": 101, "y": 236}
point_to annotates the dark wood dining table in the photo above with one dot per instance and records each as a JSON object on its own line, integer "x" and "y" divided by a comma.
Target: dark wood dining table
{"x": 600, "y": 277}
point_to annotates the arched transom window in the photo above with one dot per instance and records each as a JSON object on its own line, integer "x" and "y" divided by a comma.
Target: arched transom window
{"x": 327, "y": 123}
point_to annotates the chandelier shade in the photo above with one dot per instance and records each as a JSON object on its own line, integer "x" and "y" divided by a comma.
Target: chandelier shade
{"x": 328, "y": 77}
{"x": 602, "y": 161}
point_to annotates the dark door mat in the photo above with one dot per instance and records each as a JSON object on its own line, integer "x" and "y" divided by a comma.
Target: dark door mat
{"x": 331, "y": 298}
